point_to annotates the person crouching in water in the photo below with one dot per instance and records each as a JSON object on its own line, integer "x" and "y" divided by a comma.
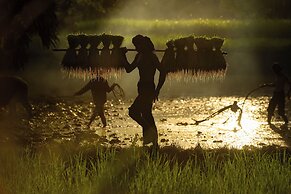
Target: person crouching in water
{"x": 99, "y": 88}
{"x": 278, "y": 98}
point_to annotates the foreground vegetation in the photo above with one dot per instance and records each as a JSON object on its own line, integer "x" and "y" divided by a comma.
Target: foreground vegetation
{"x": 67, "y": 169}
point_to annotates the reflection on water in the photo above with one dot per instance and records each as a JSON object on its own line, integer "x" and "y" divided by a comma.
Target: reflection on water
{"x": 223, "y": 129}
{"x": 66, "y": 119}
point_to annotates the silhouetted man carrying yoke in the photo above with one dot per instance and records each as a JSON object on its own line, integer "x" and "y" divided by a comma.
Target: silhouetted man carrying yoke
{"x": 141, "y": 109}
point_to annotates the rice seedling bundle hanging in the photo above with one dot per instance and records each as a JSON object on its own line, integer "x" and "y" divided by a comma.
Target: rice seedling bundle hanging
{"x": 194, "y": 59}
{"x": 189, "y": 58}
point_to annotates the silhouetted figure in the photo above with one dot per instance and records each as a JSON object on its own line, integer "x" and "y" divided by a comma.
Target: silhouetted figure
{"x": 99, "y": 88}
{"x": 117, "y": 57}
{"x": 82, "y": 57}
{"x": 169, "y": 58}
{"x": 94, "y": 55}
{"x": 278, "y": 98}
{"x": 141, "y": 110}
{"x": 12, "y": 87}
{"x": 70, "y": 57}
{"x": 233, "y": 107}
{"x": 105, "y": 52}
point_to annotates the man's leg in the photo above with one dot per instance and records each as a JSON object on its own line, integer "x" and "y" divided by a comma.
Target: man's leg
{"x": 150, "y": 133}
{"x": 102, "y": 115}
{"x": 281, "y": 109}
{"x": 135, "y": 112}
{"x": 93, "y": 116}
{"x": 137, "y": 116}
{"x": 271, "y": 109}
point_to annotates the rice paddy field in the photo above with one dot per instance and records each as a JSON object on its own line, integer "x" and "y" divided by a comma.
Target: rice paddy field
{"x": 238, "y": 33}
{"x": 67, "y": 169}
{"x": 55, "y": 152}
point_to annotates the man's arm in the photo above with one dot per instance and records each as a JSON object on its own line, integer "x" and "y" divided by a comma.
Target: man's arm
{"x": 162, "y": 78}
{"x": 84, "y": 89}
{"x": 130, "y": 67}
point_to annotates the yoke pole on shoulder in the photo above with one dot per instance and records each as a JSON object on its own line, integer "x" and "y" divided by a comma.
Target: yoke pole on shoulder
{"x": 64, "y": 49}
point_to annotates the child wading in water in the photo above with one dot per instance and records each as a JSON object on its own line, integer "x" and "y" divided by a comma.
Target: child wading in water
{"x": 99, "y": 88}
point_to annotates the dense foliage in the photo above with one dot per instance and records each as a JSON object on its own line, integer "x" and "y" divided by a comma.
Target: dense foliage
{"x": 20, "y": 21}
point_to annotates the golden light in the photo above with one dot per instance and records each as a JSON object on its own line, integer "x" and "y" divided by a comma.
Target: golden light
{"x": 243, "y": 134}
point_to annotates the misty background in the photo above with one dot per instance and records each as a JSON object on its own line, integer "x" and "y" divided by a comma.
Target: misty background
{"x": 256, "y": 33}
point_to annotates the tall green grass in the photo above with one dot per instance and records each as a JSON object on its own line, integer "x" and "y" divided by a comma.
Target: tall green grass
{"x": 136, "y": 170}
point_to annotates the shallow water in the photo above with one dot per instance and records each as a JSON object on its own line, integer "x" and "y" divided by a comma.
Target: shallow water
{"x": 61, "y": 120}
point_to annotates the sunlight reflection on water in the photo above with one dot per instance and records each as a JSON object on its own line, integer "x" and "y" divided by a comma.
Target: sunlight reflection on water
{"x": 221, "y": 130}
{"x": 66, "y": 120}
